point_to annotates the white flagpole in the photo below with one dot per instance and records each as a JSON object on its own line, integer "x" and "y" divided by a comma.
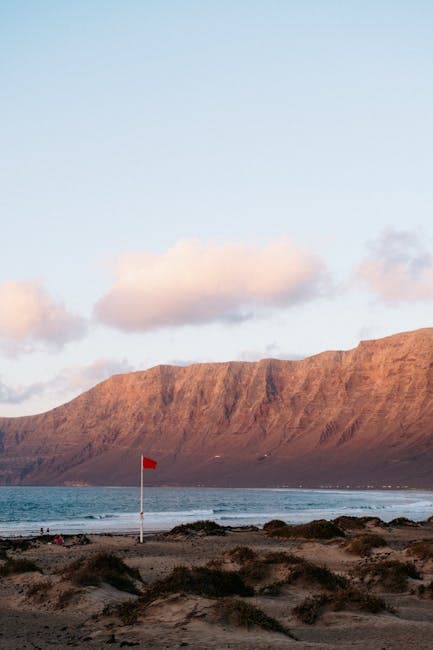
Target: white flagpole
{"x": 141, "y": 501}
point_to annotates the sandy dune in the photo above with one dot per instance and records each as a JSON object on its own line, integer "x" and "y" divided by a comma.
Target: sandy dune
{"x": 47, "y": 608}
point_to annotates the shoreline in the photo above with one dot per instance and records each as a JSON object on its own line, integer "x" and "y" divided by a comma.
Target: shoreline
{"x": 337, "y": 488}
{"x": 115, "y": 511}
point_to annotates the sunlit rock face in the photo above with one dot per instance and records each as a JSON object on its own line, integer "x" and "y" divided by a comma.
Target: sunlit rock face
{"x": 362, "y": 417}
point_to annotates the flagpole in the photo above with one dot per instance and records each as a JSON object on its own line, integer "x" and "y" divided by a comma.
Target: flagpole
{"x": 141, "y": 501}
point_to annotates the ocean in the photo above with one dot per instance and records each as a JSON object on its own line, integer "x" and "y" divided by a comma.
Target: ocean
{"x": 23, "y": 510}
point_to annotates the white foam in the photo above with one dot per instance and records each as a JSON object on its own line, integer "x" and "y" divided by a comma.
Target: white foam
{"x": 232, "y": 508}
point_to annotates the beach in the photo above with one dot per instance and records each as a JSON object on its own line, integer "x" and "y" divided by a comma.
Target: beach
{"x": 373, "y": 579}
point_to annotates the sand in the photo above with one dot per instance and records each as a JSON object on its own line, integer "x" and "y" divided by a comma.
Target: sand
{"x": 59, "y": 614}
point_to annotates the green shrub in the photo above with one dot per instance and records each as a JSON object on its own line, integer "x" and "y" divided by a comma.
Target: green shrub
{"x": 254, "y": 571}
{"x": 426, "y": 591}
{"x": 364, "y": 544}
{"x": 202, "y": 527}
{"x": 309, "y": 610}
{"x": 17, "y": 544}
{"x": 347, "y": 522}
{"x": 423, "y": 549}
{"x": 202, "y": 581}
{"x": 258, "y": 569}
{"x": 128, "y": 611}
{"x": 273, "y": 524}
{"x": 312, "y": 607}
{"x": 237, "y": 612}
{"x": 103, "y": 567}
{"x": 391, "y": 575}
{"x": 281, "y": 557}
{"x": 374, "y": 521}
{"x": 299, "y": 569}
{"x": 274, "y": 589}
{"x": 402, "y": 521}
{"x": 242, "y": 554}
{"x": 18, "y": 566}
{"x": 39, "y": 590}
{"x": 319, "y": 529}
{"x": 309, "y": 572}
{"x": 65, "y": 598}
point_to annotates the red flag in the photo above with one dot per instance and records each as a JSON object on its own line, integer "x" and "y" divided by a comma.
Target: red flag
{"x": 148, "y": 463}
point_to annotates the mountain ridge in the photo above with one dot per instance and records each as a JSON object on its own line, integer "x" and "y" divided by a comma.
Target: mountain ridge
{"x": 358, "y": 417}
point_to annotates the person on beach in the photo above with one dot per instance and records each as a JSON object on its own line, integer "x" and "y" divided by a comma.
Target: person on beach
{"x": 58, "y": 540}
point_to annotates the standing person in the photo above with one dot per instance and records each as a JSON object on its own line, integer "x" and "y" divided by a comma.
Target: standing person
{"x": 42, "y": 531}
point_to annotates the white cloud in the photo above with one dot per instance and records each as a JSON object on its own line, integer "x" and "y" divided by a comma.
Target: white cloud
{"x": 194, "y": 283}
{"x": 70, "y": 381}
{"x": 399, "y": 268}
{"x": 19, "y": 394}
{"x": 271, "y": 351}
{"x": 79, "y": 378}
{"x": 28, "y": 315}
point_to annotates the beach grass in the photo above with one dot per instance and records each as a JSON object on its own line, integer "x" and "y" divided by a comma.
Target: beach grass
{"x": 317, "y": 529}
{"x": 234, "y": 611}
{"x": 364, "y": 544}
{"x": 310, "y": 609}
{"x": 103, "y": 568}
{"x": 13, "y": 566}
{"x": 389, "y": 575}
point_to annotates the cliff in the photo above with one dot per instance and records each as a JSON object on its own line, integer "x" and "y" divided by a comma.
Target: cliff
{"x": 359, "y": 417}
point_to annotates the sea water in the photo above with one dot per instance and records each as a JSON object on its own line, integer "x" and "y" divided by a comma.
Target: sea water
{"x": 23, "y": 510}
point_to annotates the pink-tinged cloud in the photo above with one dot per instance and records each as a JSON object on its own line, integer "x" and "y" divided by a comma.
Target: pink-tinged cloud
{"x": 69, "y": 381}
{"x": 79, "y": 378}
{"x": 29, "y": 315}
{"x": 399, "y": 268}
{"x": 270, "y": 351}
{"x": 19, "y": 394}
{"x": 193, "y": 283}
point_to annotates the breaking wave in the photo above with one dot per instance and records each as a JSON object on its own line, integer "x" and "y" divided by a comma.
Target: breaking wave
{"x": 23, "y": 510}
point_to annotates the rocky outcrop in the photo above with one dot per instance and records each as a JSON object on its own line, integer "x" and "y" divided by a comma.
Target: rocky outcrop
{"x": 361, "y": 417}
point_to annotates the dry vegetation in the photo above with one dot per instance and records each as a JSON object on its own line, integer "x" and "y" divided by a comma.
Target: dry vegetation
{"x": 197, "y": 528}
{"x": 12, "y": 566}
{"x": 314, "y": 606}
{"x": 237, "y": 612}
{"x": 372, "y": 521}
{"x": 346, "y": 522}
{"x": 310, "y": 573}
{"x": 218, "y": 593}
{"x": 422, "y": 550}
{"x": 273, "y": 524}
{"x": 426, "y": 591}
{"x": 202, "y": 581}
{"x": 402, "y": 521}
{"x": 242, "y": 554}
{"x": 269, "y": 572}
{"x": 364, "y": 544}
{"x": 388, "y": 575}
{"x": 103, "y": 567}
{"x": 199, "y": 581}
{"x": 319, "y": 529}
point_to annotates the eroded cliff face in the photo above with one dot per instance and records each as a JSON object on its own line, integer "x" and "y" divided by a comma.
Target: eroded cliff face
{"x": 340, "y": 418}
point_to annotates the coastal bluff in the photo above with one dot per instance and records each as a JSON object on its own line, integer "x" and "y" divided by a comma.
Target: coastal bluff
{"x": 354, "y": 418}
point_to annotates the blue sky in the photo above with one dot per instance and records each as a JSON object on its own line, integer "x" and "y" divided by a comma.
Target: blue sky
{"x": 161, "y": 161}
